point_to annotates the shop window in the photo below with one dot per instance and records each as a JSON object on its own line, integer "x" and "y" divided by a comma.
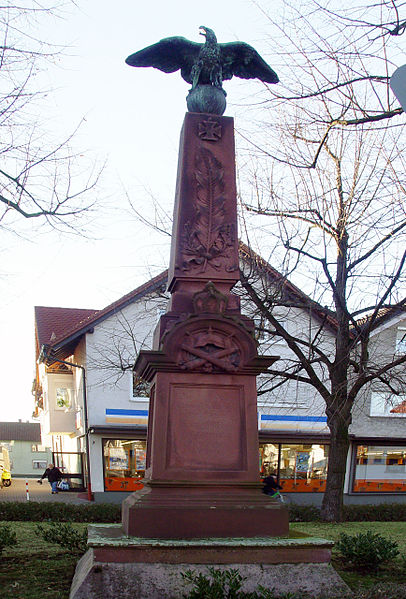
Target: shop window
{"x": 268, "y": 459}
{"x": 380, "y": 469}
{"x": 303, "y": 467}
{"x": 124, "y": 464}
{"x": 300, "y": 468}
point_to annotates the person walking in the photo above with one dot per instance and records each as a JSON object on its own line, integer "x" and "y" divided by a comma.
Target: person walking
{"x": 54, "y": 475}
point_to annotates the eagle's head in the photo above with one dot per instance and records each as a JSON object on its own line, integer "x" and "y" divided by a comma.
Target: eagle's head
{"x": 208, "y": 33}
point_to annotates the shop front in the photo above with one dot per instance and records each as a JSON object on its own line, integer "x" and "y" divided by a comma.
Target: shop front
{"x": 298, "y": 463}
{"x": 298, "y": 467}
{"x": 379, "y": 468}
{"x": 123, "y": 464}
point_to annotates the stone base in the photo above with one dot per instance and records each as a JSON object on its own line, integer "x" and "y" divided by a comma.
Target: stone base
{"x": 135, "y": 568}
{"x": 186, "y": 512}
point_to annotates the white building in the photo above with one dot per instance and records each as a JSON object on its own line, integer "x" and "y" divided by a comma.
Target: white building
{"x": 87, "y": 397}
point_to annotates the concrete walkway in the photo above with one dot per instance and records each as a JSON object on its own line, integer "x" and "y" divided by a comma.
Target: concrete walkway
{"x": 17, "y": 492}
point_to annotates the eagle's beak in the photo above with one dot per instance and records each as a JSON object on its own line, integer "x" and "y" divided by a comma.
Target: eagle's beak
{"x": 202, "y": 30}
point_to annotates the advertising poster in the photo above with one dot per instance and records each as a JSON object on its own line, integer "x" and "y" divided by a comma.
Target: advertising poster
{"x": 118, "y": 459}
{"x": 140, "y": 458}
{"x": 302, "y": 461}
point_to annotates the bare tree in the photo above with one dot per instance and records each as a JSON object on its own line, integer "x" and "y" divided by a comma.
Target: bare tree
{"x": 39, "y": 178}
{"x": 335, "y": 189}
{"x": 124, "y": 335}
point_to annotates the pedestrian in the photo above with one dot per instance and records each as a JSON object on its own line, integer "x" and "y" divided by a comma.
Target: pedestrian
{"x": 271, "y": 487}
{"x": 54, "y": 475}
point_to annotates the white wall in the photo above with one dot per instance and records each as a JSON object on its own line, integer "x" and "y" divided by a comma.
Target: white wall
{"x": 110, "y": 353}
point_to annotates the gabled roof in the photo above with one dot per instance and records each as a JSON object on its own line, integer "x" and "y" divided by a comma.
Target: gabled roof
{"x": 20, "y": 431}
{"x": 52, "y": 323}
{"x": 61, "y": 328}
{"x": 384, "y": 315}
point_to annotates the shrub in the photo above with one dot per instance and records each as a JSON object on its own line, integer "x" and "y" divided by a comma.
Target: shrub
{"x": 34, "y": 511}
{"x": 65, "y": 535}
{"x": 303, "y": 513}
{"x": 8, "y": 537}
{"x": 387, "y": 512}
{"x": 222, "y": 584}
{"x": 226, "y": 584}
{"x": 366, "y": 550}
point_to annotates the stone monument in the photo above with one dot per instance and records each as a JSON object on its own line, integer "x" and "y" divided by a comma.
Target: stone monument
{"x": 202, "y": 501}
{"x": 202, "y": 477}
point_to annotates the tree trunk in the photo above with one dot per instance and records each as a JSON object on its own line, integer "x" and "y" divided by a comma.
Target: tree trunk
{"x": 331, "y": 509}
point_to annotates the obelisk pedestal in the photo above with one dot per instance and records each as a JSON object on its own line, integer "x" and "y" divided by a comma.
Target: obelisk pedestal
{"x": 202, "y": 477}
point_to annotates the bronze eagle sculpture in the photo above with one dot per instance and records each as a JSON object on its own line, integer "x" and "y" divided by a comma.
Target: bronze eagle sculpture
{"x": 205, "y": 66}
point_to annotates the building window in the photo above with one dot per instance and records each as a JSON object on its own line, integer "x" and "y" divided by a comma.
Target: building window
{"x": 380, "y": 469}
{"x": 300, "y": 468}
{"x": 124, "y": 464}
{"x": 385, "y": 404}
{"x": 63, "y": 398}
{"x": 36, "y": 447}
{"x": 39, "y": 464}
{"x": 268, "y": 459}
{"x": 140, "y": 387}
{"x": 401, "y": 340}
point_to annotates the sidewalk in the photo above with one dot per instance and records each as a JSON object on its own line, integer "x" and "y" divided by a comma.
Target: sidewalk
{"x": 17, "y": 492}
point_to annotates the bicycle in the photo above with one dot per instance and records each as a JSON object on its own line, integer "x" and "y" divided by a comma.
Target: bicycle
{"x": 279, "y": 497}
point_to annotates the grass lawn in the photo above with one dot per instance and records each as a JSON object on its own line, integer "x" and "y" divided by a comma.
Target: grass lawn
{"x": 35, "y": 569}
{"x": 389, "y": 574}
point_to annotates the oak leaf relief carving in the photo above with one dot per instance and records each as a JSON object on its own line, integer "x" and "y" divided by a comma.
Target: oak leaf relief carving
{"x": 207, "y": 239}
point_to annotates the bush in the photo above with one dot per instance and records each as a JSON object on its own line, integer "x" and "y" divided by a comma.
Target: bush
{"x": 8, "y": 537}
{"x": 387, "y": 512}
{"x": 366, "y": 550}
{"x": 226, "y": 584}
{"x": 223, "y": 583}
{"x": 303, "y": 513}
{"x": 65, "y": 535}
{"x": 34, "y": 511}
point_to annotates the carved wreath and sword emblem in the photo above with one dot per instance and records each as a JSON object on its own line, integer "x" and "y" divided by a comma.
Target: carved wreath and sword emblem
{"x": 209, "y": 351}
{"x": 207, "y": 239}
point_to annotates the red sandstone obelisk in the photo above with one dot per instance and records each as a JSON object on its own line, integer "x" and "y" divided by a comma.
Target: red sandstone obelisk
{"x": 202, "y": 477}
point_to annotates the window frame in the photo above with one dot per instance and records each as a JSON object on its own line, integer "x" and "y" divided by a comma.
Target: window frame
{"x": 376, "y": 443}
{"x": 39, "y": 462}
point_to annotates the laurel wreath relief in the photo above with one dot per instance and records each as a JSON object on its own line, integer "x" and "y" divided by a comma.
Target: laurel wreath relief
{"x": 207, "y": 238}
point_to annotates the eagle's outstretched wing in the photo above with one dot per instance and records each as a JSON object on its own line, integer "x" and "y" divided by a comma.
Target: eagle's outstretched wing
{"x": 168, "y": 55}
{"x": 242, "y": 60}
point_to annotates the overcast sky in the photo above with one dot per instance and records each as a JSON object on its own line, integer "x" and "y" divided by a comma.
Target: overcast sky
{"x": 132, "y": 120}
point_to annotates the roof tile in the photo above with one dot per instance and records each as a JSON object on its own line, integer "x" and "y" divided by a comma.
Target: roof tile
{"x": 20, "y": 431}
